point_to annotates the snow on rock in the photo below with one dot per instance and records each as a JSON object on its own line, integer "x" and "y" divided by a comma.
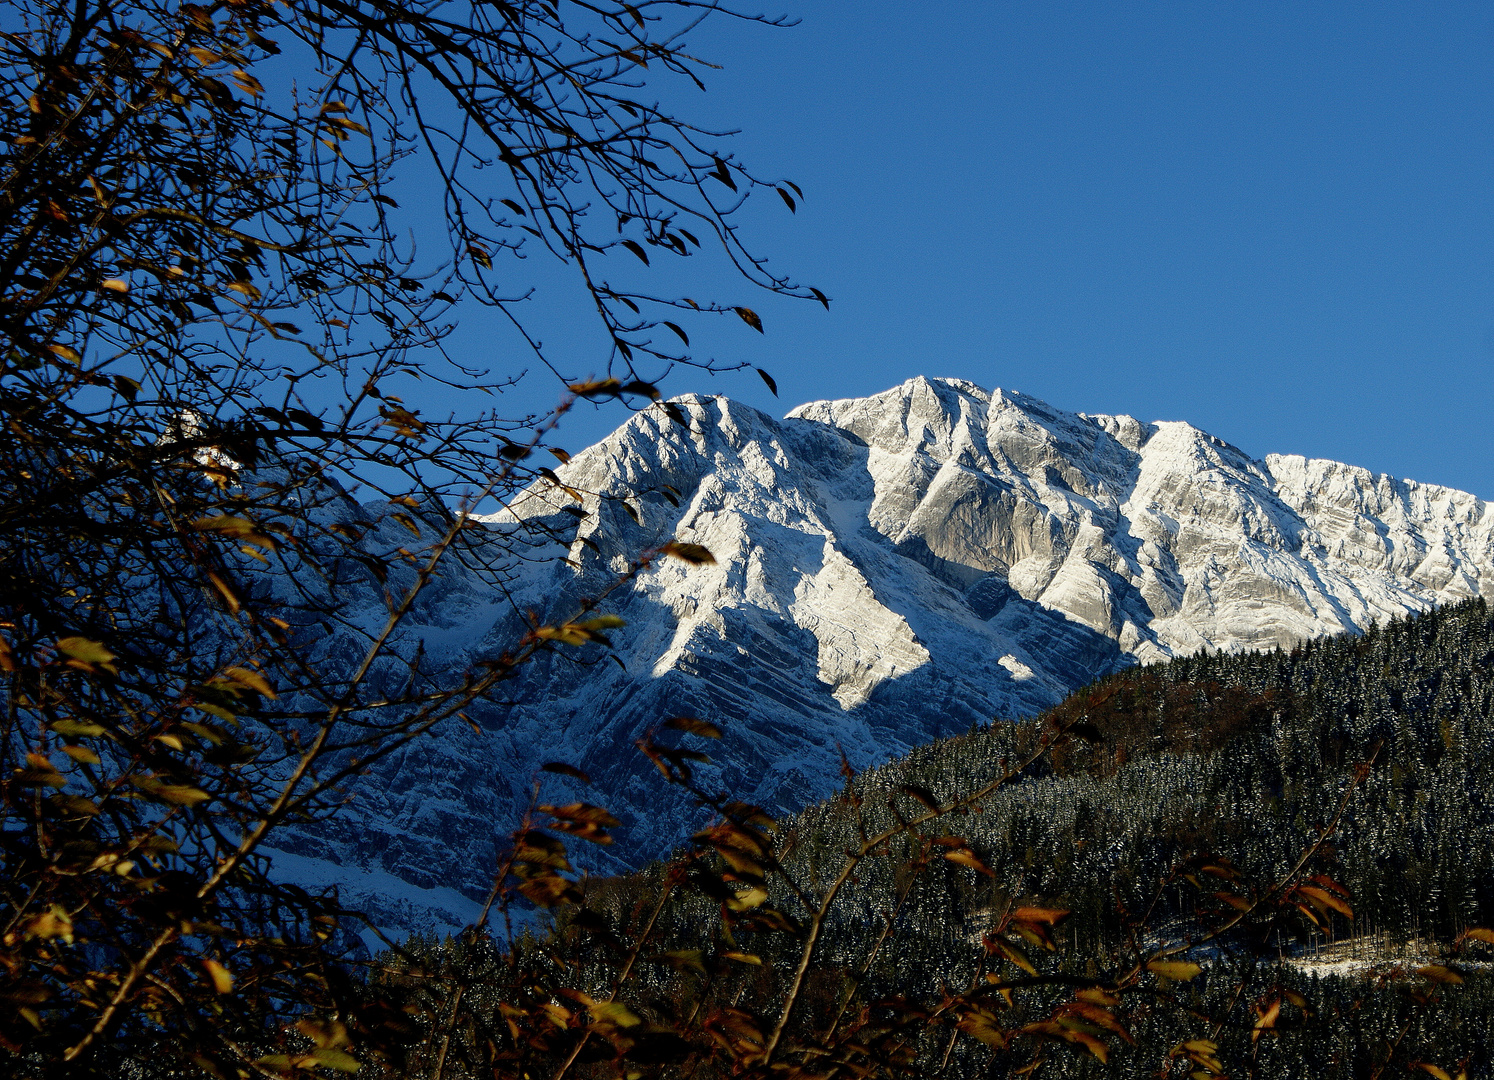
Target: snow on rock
{"x": 888, "y": 570}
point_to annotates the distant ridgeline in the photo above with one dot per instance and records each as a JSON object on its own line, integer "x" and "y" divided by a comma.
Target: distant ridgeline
{"x": 1209, "y": 762}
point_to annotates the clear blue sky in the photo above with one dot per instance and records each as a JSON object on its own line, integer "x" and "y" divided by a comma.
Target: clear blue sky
{"x": 1273, "y": 220}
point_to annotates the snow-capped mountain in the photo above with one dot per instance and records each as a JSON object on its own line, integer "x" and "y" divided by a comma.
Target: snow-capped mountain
{"x": 888, "y": 569}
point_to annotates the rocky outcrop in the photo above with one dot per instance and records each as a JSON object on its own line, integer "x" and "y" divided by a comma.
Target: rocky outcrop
{"x": 888, "y": 570}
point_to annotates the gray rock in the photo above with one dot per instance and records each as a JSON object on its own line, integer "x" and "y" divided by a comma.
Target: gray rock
{"x": 888, "y": 570}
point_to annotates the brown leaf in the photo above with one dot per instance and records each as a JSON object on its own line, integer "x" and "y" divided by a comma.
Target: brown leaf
{"x": 1267, "y": 1019}
{"x": 539, "y": 849}
{"x": 750, "y": 317}
{"x": 922, "y": 794}
{"x": 693, "y": 726}
{"x": 550, "y": 890}
{"x": 1177, "y": 970}
{"x": 966, "y": 857}
{"x": 1438, "y": 973}
{"x": 563, "y": 769}
{"x": 1046, "y": 916}
{"x": 596, "y": 388}
{"x": 694, "y": 554}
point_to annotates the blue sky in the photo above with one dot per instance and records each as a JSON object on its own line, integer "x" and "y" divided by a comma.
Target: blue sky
{"x": 1273, "y": 220}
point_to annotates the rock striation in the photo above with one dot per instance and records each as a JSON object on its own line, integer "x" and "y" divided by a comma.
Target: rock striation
{"x": 888, "y": 570}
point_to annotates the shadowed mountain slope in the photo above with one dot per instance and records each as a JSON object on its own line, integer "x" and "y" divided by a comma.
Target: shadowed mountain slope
{"x": 888, "y": 570}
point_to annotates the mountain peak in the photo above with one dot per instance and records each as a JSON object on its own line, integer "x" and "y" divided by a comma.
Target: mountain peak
{"x": 890, "y": 569}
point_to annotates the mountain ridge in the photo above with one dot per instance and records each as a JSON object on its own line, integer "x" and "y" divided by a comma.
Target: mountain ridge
{"x": 889, "y": 570}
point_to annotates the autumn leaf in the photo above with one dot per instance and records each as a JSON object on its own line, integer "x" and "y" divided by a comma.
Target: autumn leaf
{"x": 1438, "y": 973}
{"x": 694, "y": 554}
{"x": 562, "y": 769}
{"x": 1177, "y": 970}
{"x": 966, "y": 857}
{"x": 1046, "y": 916}
{"x": 750, "y": 317}
{"x": 693, "y": 726}
{"x": 221, "y": 977}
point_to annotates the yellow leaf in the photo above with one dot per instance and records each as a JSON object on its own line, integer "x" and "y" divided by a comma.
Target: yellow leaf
{"x": 685, "y": 960}
{"x": 340, "y": 1060}
{"x": 615, "y": 1013}
{"x": 1090, "y": 1043}
{"x": 252, "y": 679}
{"x": 115, "y": 285}
{"x": 82, "y": 754}
{"x": 603, "y": 622}
{"x": 1427, "y": 1067}
{"x": 1267, "y": 1020}
{"x": 248, "y": 83}
{"x": 221, "y": 977}
{"x": 90, "y": 652}
{"x": 1438, "y": 973}
{"x": 744, "y": 958}
{"x": 1011, "y": 952}
{"x": 73, "y": 729}
{"x": 966, "y": 857}
{"x": 748, "y": 899}
{"x": 583, "y": 812}
{"x": 1179, "y": 970}
{"x": 52, "y": 923}
{"x": 982, "y": 1025}
{"x": 1324, "y": 900}
{"x": 750, "y": 317}
{"x": 1096, "y": 996}
{"x": 226, "y": 591}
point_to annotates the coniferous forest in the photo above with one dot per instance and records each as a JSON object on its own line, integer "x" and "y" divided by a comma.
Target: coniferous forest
{"x": 1335, "y": 798}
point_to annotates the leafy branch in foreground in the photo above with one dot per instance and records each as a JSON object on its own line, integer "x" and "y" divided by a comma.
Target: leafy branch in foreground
{"x": 750, "y": 952}
{"x": 240, "y": 452}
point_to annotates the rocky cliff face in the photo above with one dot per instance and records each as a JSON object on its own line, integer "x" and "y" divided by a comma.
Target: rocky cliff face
{"x": 889, "y": 569}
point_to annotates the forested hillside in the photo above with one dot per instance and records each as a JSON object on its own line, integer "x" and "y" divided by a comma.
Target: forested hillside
{"x": 1273, "y": 864}
{"x": 1246, "y": 755}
